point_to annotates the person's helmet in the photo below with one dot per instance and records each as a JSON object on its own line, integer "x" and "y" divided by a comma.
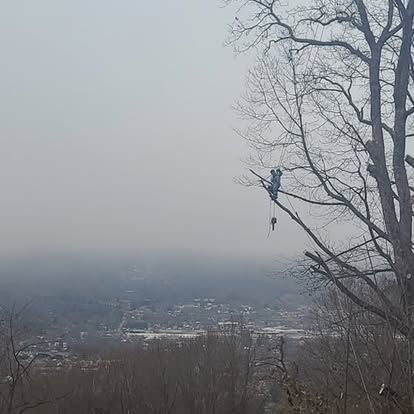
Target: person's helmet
{"x": 279, "y": 171}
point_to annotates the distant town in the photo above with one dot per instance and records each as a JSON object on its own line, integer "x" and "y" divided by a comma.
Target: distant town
{"x": 179, "y": 322}
{"x": 140, "y": 305}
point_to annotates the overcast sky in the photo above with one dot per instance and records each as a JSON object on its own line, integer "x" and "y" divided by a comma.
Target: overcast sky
{"x": 116, "y": 131}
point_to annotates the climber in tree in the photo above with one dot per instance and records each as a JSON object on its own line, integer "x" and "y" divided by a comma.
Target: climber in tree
{"x": 275, "y": 177}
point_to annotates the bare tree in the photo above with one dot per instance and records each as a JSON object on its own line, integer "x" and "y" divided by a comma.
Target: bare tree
{"x": 331, "y": 100}
{"x": 16, "y": 363}
{"x": 354, "y": 361}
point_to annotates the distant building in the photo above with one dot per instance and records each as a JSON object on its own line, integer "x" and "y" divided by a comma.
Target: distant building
{"x": 136, "y": 326}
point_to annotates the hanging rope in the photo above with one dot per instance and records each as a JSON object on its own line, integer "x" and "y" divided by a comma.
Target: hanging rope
{"x": 273, "y": 221}
{"x": 270, "y": 219}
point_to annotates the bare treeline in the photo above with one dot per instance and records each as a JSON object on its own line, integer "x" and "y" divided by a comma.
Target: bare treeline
{"x": 207, "y": 375}
{"x": 345, "y": 366}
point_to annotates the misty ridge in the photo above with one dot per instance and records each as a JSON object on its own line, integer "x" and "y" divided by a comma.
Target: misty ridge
{"x": 166, "y": 279}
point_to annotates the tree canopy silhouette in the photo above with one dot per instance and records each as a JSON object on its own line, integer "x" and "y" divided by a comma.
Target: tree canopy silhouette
{"x": 332, "y": 99}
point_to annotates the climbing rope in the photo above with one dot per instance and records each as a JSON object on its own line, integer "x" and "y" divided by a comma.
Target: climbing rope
{"x": 270, "y": 219}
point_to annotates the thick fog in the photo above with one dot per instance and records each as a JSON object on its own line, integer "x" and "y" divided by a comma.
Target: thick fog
{"x": 116, "y": 132}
